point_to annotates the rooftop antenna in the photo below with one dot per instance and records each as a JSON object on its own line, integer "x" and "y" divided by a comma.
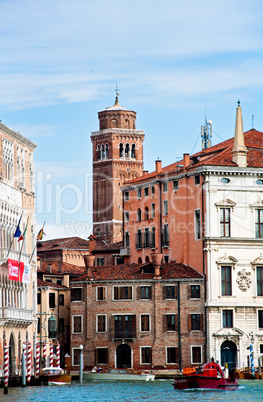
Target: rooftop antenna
{"x": 206, "y": 134}
{"x": 252, "y": 121}
{"x": 117, "y": 92}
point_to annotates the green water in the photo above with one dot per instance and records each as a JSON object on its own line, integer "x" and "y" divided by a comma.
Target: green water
{"x": 161, "y": 391}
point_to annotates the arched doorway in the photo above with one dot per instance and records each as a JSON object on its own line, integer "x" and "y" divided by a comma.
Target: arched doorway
{"x": 123, "y": 353}
{"x": 228, "y": 354}
{"x": 12, "y": 356}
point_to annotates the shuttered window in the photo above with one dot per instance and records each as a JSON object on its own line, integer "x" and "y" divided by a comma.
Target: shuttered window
{"x": 101, "y": 293}
{"x": 172, "y": 355}
{"x": 146, "y": 355}
{"x": 145, "y": 322}
{"x": 122, "y": 292}
{"x": 101, "y": 323}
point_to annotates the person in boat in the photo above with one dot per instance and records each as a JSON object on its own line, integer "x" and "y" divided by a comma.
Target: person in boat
{"x": 94, "y": 370}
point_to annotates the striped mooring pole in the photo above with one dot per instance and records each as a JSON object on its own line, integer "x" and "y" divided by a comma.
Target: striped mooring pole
{"x": 6, "y": 368}
{"x": 252, "y": 360}
{"x": 58, "y": 354}
{"x": 28, "y": 362}
{"x": 51, "y": 354}
{"x": 45, "y": 354}
{"x": 37, "y": 359}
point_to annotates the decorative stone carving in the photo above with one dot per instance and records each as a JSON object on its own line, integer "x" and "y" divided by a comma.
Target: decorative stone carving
{"x": 243, "y": 280}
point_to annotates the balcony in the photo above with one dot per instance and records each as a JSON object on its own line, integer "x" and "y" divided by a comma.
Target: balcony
{"x": 18, "y": 315}
{"x": 146, "y": 244}
{"x": 165, "y": 243}
{"x": 138, "y": 246}
{"x": 125, "y": 251}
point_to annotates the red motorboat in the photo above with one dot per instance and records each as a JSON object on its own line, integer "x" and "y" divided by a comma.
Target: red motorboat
{"x": 209, "y": 376}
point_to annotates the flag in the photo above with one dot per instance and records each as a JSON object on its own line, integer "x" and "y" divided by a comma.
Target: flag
{"x": 18, "y": 231}
{"x": 41, "y": 233}
{"x": 22, "y": 236}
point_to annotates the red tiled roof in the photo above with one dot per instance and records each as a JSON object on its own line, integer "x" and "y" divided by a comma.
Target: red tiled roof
{"x": 102, "y": 246}
{"x": 66, "y": 243}
{"x": 66, "y": 268}
{"x": 217, "y": 155}
{"x": 42, "y": 284}
{"x": 135, "y": 271}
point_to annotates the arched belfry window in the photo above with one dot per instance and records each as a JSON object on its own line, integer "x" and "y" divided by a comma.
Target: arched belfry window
{"x": 146, "y": 213}
{"x": 98, "y": 151}
{"x": 133, "y": 155}
{"x": 102, "y": 152}
{"x": 106, "y": 151}
{"x": 121, "y": 150}
{"x": 127, "y": 150}
{"x": 139, "y": 215}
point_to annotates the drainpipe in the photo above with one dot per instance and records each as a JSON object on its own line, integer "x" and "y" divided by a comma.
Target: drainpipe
{"x": 179, "y": 329}
{"x": 204, "y": 270}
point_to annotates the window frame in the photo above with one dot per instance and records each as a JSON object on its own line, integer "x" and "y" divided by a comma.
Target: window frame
{"x": 120, "y": 292}
{"x": 97, "y": 323}
{"x": 104, "y": 291}
{"x": 73, "y": 356}
{"x": 146, "y": 191}
{"x": 141, "y": 355}
{"x": 227, "y": 318}
{"x": 170, "y": 325}
{"x": 148, "y": 323}
{"x": 198, "y": 234}
{"x": 175, "y": 185}
{"x": 225, "y": 225}
{"x": 165, "y": 207}
{"x": 81, "y": 324}
{"x": 126, "y": 216}
{"x": 195, "y": 326}
{"x": 139, "y": 193}
{"x": 224, "y": 288}
{"x": 52, "y": 295}
{"x": 176, "y": 351}
{"x": 201, "y": 354}
{"x": 193, "y": 292}
{"x": 81, "y": 294}
{"x": 165, "y": 187}
{"x": 126, "y": 195}
{"x": 259, "y": 281}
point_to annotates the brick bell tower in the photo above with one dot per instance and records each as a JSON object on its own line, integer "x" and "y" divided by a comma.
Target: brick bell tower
{"x": 117, "y": 156}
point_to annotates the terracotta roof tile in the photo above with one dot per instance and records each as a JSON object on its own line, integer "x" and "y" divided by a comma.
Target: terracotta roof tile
{"x": 66, "y": 268}
{"x": 41, "y": 284}
{"x": 66, "y": 243}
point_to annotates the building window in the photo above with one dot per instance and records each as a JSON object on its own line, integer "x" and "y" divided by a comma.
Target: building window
{"x": 145, "y": 292}
{"x": 102, "y": 152}
{"x": 166, "y": 258}
{"x": 127, "y": 239}
{"x": 227, "y": 318}
{"x": 197, "y": 224}
{"x": 59, "y": 282}
{"x": 122, "y": 292}
{"x": 139, "y": 215}
{"x": 127, "y": 151}
{"x": 139, "y": 239}
{"x": 226, "y": 284}
{"x": 146, "y": 238}
{"x": 100, "y": 262}
{"x": 146, "y": 213}
{"x": 61, "y": 300}
{"x": 101, "y": 323}
{"x": 165, "y": 187}
{"x": 145, "y": 323}
{"x": 169, "y": 292}
{"x": 52, "y": 300}
{"x": 39, "y": 298}
{"x": 165, "y": 235}
{"x": 175, "y": 185}
{"x": 106, "y": 151}
{"x": 152, "y": 190}
{"x": 165, "y": 207}
{"x": 133, "y": 148}
{"x": 98, "y": 152}
{"x": 38, "y": 325}
{"x": 101, "y": 356}
{"x": 146, "y": 355}
{"x": 126, "y": 216}
{"x": 139, "y": 193}
{"x": 153, "y": 210}
{"x": 225, "y": 222}
{"x": 77, "y": 324}
{"x": 125, "y": 326}
{"x": 121, "y": 151}
{"x": 195, "y": 322}
{"x": 126, "y": 195}
{"x": 76, "y": 294}
{"x": 75, "y": 356}
{"x": 101, "y": 293}
{"x": 146, "y": 191}
{"x": 153, "y": 237}
{"x": 171, "y": 322}
{"x": 197, "y": 180}
{"x": 172, "y": 355}
{"x": 61, "y": 326}
{"x": 259, "y": 281}
{"x": 259, "y": 222}
{"x": 195, "y": 292}
{"x": 261, "y": 348}
{"x": 196, "y": 354}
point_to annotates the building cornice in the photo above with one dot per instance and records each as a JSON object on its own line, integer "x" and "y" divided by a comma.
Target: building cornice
{"x": 17, "y": 136}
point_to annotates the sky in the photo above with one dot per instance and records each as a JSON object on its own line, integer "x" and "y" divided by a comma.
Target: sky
{"x": 175, "y": 62}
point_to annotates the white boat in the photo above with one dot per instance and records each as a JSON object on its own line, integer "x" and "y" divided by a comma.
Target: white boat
{"x": 118, "y": 375}
{"x": 54, "y": 376}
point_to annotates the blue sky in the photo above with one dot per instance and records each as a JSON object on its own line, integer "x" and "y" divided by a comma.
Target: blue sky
{"x": 174, "y": 61}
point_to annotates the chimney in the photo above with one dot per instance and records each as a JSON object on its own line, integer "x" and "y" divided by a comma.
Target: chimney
{"x": 239, "y": 151}
{"x": 158, "y": 166}
{"x": 157, "y": 261}
{"x": 59, "y": 266}
{"x": 145, "y": 172}
{"x": 186, "y": 160}
{"x": 89, "y": 261}
{"x": 92, "y": 243}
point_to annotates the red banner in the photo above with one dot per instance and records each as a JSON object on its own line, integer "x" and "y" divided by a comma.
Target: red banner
{"x": 13, "y": 270}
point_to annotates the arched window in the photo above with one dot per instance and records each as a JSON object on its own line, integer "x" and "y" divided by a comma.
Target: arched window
{"x": 146, "y": 213}
{"x": 98, "y": 150}
{"x": 102, "y": 152}
{"x": 121, "y": 151}
{"x": 127, "y": 150}
{"x": 106, "y": 151}
{"x": 147, "y": 259}
{"x": 139, "y": 260}
{"x": 133, "y": 151}
{"x": 139, "y": 215}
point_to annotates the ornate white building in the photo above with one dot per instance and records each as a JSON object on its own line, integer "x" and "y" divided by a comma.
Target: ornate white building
{"x": 18, "y": 279}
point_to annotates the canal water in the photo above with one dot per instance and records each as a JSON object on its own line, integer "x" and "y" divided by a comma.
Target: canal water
{"x": 156, "y": 391}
